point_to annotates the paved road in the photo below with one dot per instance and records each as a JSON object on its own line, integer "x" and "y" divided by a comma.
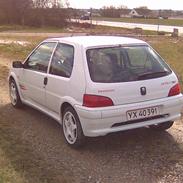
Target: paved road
{"x": 42, "y": 34}
{"x": 134, "y": 25}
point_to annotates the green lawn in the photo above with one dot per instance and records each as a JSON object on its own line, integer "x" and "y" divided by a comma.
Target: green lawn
{"x": 27, "y": 29}
{"x": 7, "y": 172}
{"x": 18, "y": 162}
{"x": 174, "y": 22}
{"x": 17, "y": 51}
{"x": 171, "y": 50}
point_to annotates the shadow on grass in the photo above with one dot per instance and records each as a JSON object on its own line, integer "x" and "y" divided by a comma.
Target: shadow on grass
{"x": 148, "y": 156}
{"x": 25, "y": 160}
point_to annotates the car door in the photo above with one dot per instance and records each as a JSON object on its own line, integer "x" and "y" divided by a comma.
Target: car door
{"x": 59, "y": 76}
{"x": 33, "y": 80}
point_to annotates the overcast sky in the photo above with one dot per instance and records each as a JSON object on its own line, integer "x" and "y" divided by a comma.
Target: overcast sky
{"x": 152, "y": 4}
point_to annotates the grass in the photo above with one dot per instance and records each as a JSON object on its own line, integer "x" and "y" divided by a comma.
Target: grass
{"x": 72, "y": 28}
{"x": 17, "y": 51}
{"x": 173, "y": 22}
{"x": 7, "y": 171}
{"x": 18, "y": 162}
{"x": 171, "y": 50}
{"x": 118, "y": 30}
{"x": 28, "y": 29}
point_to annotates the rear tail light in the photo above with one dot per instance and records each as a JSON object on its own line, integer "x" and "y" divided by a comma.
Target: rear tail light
{"x": 96, "y": 101}
{"x": 175, "y": 90}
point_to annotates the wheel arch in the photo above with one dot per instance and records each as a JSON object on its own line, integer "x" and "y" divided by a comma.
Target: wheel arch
{"x": 64, "y": 105}
{"x": 13, "y": 76}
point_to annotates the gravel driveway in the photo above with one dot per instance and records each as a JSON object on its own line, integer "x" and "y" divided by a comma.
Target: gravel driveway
{"x": 137, "y": 156}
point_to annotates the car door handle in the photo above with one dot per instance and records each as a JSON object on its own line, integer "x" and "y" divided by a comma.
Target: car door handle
{"x": 45, "y": 81}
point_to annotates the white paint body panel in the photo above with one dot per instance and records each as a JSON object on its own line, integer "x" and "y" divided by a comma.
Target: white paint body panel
{"x": 34, "y": 87}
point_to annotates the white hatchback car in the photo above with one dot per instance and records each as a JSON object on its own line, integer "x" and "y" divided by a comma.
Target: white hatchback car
{"x": 95, "y": 85}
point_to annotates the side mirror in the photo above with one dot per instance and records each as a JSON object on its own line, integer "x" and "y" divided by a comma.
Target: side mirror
{"x": 17, "y": 64}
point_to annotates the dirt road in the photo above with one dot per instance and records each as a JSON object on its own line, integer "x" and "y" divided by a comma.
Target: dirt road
{"x": 32, "y": 34}
{"x": 137, "y": 156}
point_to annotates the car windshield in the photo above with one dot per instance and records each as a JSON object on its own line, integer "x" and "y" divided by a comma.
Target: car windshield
{"x": 124, "y": 64}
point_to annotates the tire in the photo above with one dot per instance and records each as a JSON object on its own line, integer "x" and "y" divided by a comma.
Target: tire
{"x": 72, "y": 129}
{"x": 162, "y": 126}
{"x": 14, "y": 94}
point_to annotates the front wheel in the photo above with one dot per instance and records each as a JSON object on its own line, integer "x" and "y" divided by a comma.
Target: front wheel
{"x": 72, "y": 129}
{"x": 162, "y": 126}
{"x": 14, "y": 95}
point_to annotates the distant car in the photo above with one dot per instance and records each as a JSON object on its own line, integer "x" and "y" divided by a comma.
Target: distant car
{"x": 85, "y": 17}
{"x": 95, "y": 85}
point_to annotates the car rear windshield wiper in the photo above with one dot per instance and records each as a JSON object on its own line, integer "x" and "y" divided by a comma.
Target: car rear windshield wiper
{"x": 150, "y": 75}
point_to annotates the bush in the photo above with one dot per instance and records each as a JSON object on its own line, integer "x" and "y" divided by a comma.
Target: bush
{"x": 161, "y": 33}
{"x": 38, "y": 17}
{"x": 47, "y": 17}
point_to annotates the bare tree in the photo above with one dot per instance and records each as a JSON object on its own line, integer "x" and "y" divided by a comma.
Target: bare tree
{"x": 23, "y": 7}
{"x": 110, "y": 11}
{"x": 67, "y": 4}
{"x": 33, "y": 12}
{"x": 14, "y": 11}
{"x": 49, "y": 3}
{"x": 122, "y": 7}
{"x": 42, "y": 3}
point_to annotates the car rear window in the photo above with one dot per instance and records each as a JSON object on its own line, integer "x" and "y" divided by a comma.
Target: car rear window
{"x": 124, "y": 64}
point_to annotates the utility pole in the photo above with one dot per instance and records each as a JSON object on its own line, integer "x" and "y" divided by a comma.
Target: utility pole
{"x": 158, "y": 20}
{"x": 91, "y": 17}
{"x": 56, "y": 3}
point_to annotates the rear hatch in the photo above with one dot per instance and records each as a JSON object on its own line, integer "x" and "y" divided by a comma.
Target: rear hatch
{"x": 128, "y": 74}
{"x": 134, "y": 92}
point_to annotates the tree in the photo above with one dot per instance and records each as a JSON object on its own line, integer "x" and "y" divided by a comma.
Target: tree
{"x": 24, "y": 7}
{"x": 122, "y": 7}
{"x": 13, "y": 12}
{"x": 50, "y": 3}
{"x": 110, "y": 11}
{"x": 43, "y": 3}
{"x": 142, "y": 7}
{"x": 33, "y": 12}
{"x": 67, "y": 4}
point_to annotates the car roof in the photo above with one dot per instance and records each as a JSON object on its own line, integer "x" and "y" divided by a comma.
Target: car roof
{"x": 94, "y": 41}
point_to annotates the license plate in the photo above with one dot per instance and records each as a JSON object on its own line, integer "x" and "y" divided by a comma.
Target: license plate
{"x": 142, "y": 113}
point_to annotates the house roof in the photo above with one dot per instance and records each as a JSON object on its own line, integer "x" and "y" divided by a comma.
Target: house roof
{"x": 125, "y": 11}
{"x": 142, "y": 11}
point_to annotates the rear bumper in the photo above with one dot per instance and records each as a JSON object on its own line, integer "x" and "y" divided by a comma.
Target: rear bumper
{"x": 101, "y": 121}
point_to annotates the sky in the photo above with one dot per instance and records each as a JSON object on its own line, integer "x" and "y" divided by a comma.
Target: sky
{"x": 151, "y": 4}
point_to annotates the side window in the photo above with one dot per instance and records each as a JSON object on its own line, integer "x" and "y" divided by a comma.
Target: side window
{"x": 62, "y": 60}
{"x": 40, "y": 58}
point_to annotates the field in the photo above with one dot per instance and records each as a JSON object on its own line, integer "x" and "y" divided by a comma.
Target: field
{"x": 33, "y": 151}
{"x": 169, "y": 48}
{"x": 173, "y": 22}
